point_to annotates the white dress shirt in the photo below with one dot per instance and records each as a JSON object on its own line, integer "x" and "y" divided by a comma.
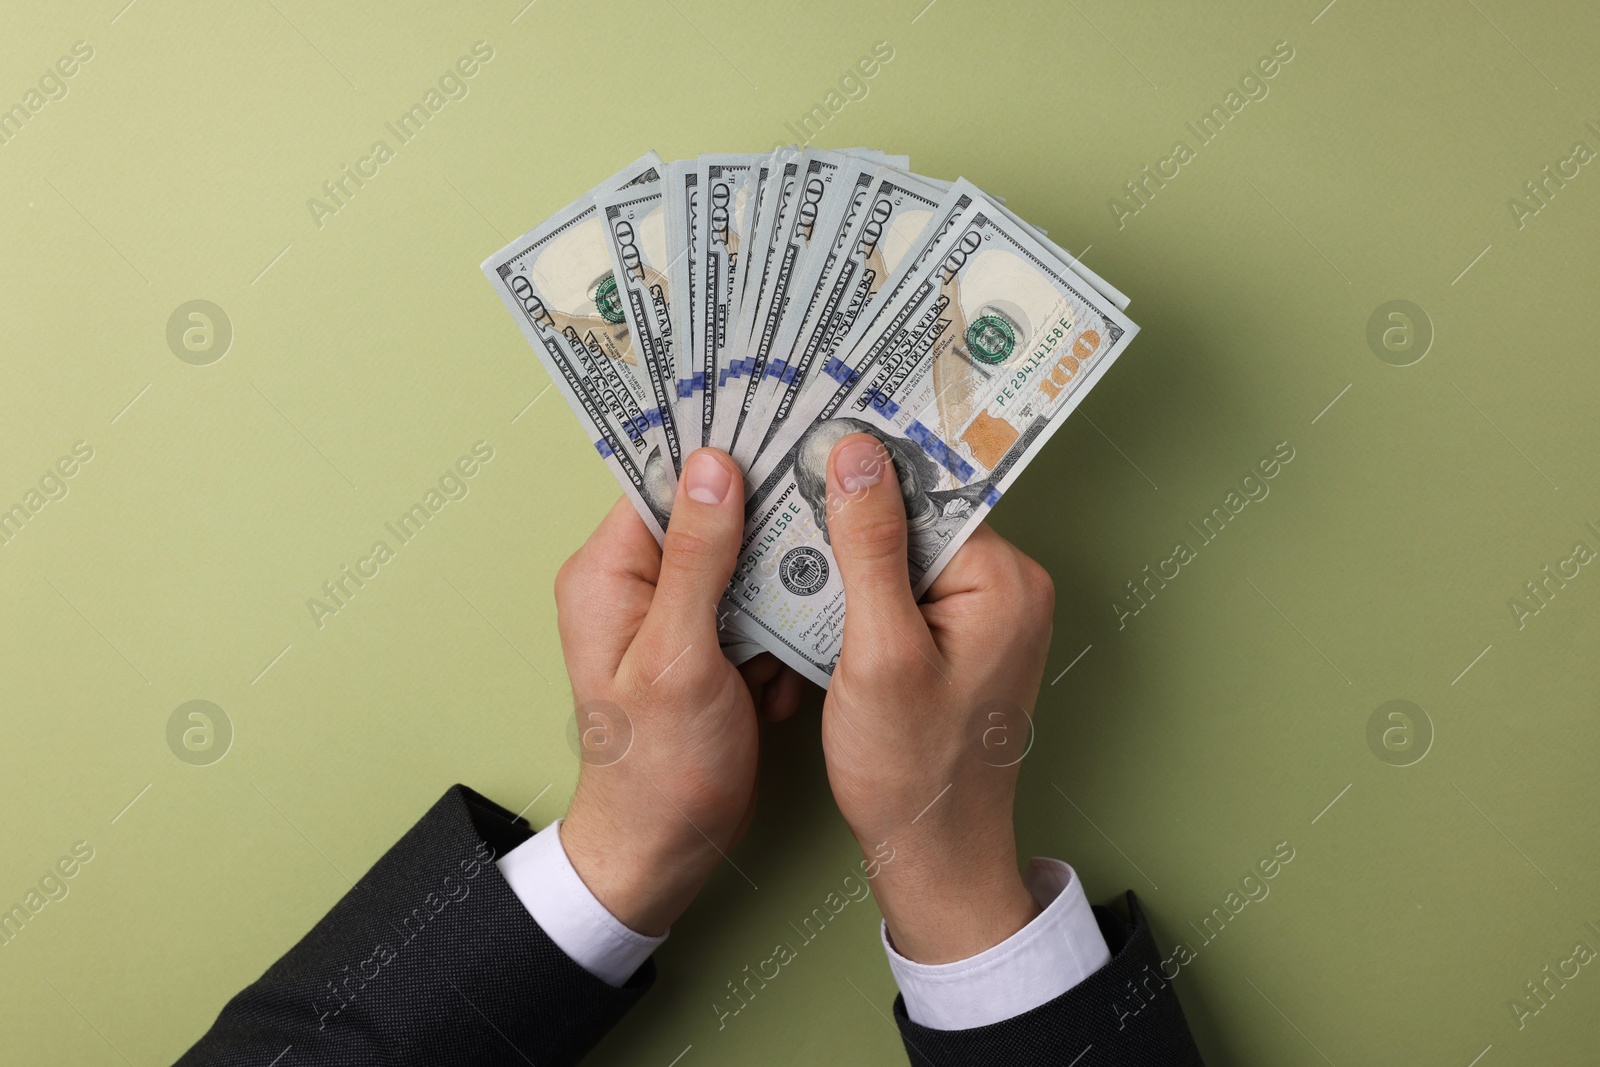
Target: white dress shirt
{"x": 1053, "y": 953}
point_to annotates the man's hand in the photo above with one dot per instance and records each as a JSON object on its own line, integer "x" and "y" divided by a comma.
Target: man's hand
{"x": 666, "y": 725}
{"x": 928, "y": 714}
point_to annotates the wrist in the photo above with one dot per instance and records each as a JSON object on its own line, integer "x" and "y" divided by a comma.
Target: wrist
{"x": 643, "y": 880}
{"x": 944, "y": 915}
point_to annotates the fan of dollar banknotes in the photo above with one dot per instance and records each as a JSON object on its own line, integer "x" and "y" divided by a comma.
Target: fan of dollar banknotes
{"x": 768, "y": 305}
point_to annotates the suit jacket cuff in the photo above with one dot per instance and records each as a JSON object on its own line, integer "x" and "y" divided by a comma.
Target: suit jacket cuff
{"x": 1060, "y": 948}
{"x": 1125, "y": 1013}
{"x": 543, "y": 878}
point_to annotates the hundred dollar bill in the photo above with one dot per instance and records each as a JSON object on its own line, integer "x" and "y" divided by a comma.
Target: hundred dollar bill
{"x": 883, "y": 225}
{"x": 776, "y": 180}
{"x": 911, "y": 236}
{"x": 565, "y": 265}
{"x": 768, "y": 170}
{"x": 827, "y": 185}
{"x": 996, "y": 340}
{"x": 543, "y": 278}
{"x": 682, "y": 182}
{"x": 728, "y": 184}
{"x": 834, "y": 375}
{"x": 775, "y": 183}
{"x": 635, "y": 238}
{"x": 775, "y": 191}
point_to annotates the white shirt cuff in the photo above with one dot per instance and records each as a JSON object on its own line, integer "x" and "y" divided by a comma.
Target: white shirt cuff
{"x": 1035, "y": 965}
{"x": 542, "y": 877}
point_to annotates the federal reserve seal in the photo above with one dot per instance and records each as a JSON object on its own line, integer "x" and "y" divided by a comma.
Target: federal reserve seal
{"x": 990, "y": 339}
{"x": 606, "y": 300}
{"x": 803, "y": 570}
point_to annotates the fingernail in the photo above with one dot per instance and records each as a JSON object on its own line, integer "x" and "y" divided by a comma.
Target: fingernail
{"x": 859, "y": 464}
{"x": 706, "y": 479}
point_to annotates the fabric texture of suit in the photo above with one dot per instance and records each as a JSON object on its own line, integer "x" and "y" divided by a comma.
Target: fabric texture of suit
{"x": 432, "y": 960}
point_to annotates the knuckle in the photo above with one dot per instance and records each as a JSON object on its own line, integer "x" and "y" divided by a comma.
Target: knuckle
{"x": 892, "y": 658}
{"x": 569, "y": 578}
{"x": 689, "y": 549}
{"x": 1039, "y": 589}
{"x": 674, "y": 670}
{"x": 874, "y": 538}
{"x": 993, "y": 559}
{"x": 903, "y": 663}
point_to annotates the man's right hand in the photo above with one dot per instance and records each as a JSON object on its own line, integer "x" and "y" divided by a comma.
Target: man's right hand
{"x": 929, "y": 713}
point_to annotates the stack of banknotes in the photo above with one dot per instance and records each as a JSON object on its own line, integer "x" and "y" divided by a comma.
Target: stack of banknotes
{"x": 768, "y": 305}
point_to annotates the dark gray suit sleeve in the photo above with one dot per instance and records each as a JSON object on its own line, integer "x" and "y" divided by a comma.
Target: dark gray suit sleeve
{"x": 1126, "y": 1014}
{"x": 429, "y": 960}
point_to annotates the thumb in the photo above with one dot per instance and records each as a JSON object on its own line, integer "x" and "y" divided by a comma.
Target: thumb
{"x": 867, "y": 531}
{"x": 700, "y": 549}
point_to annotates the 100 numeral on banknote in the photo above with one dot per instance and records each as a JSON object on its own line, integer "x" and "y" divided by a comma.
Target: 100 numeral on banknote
{"x": 1000, "y": 340}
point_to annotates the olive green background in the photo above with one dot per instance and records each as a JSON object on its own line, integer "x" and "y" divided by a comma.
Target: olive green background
{"x": 369, "y": 354}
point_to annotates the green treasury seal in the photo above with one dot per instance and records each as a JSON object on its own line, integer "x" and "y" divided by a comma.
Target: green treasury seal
{"x": 991, "y": 339}
{"x": 607, "y": 303}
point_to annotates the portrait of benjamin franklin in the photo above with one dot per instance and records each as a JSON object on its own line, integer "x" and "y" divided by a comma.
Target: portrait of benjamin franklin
{"x": 933, "y": 516}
